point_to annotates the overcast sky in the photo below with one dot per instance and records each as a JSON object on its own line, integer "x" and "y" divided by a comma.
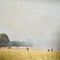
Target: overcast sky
{"x": 36, "y": 20}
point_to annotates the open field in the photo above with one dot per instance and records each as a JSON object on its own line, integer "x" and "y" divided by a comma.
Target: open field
{"x": 23, "y": 54}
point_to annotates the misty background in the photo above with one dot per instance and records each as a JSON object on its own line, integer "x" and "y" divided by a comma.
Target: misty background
{"x": 36, "y": 21}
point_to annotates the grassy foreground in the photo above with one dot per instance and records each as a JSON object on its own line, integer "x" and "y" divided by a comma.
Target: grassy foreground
{"x": 23, "y": 54}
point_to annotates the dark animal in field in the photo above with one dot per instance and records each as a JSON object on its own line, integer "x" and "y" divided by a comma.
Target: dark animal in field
{"x": 52, "y": 50}
{"x": 27, "y": 49}
{"x": 48, "y": 50}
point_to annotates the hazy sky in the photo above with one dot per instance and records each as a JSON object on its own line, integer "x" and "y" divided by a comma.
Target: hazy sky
{"x": 36, "y": 20}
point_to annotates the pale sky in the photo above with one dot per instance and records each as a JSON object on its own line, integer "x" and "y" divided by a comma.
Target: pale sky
{"x": 36, "y": 20}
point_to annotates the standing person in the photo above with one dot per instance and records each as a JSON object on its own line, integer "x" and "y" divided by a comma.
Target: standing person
{"x": 27, "y": 48}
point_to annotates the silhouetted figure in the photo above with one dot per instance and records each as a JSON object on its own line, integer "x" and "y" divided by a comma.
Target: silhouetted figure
{"x": 52, "y": 50}
{"x": 48, "y": 50}
{"x": 27, "y": 49}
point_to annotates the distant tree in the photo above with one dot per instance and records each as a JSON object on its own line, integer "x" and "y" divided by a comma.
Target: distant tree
{"x": 20, "y": 44}
{"x": 4, "y": 40}
{"x": 15, "y": 43}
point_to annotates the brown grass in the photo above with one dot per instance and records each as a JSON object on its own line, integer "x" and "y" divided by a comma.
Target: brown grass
{"x": 23, "y": 54}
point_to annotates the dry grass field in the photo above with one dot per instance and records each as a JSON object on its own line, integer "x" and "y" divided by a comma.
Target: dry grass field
{"x": 23, "y": 54}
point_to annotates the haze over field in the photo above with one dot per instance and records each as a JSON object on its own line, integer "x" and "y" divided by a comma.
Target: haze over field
{"x": 38, "y": 21}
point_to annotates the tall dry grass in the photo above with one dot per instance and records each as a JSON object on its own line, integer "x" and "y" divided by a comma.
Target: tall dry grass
{"x": 23, "y": 54}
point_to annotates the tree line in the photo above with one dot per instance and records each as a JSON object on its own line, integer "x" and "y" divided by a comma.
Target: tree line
{"x": 5, "y": 41}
